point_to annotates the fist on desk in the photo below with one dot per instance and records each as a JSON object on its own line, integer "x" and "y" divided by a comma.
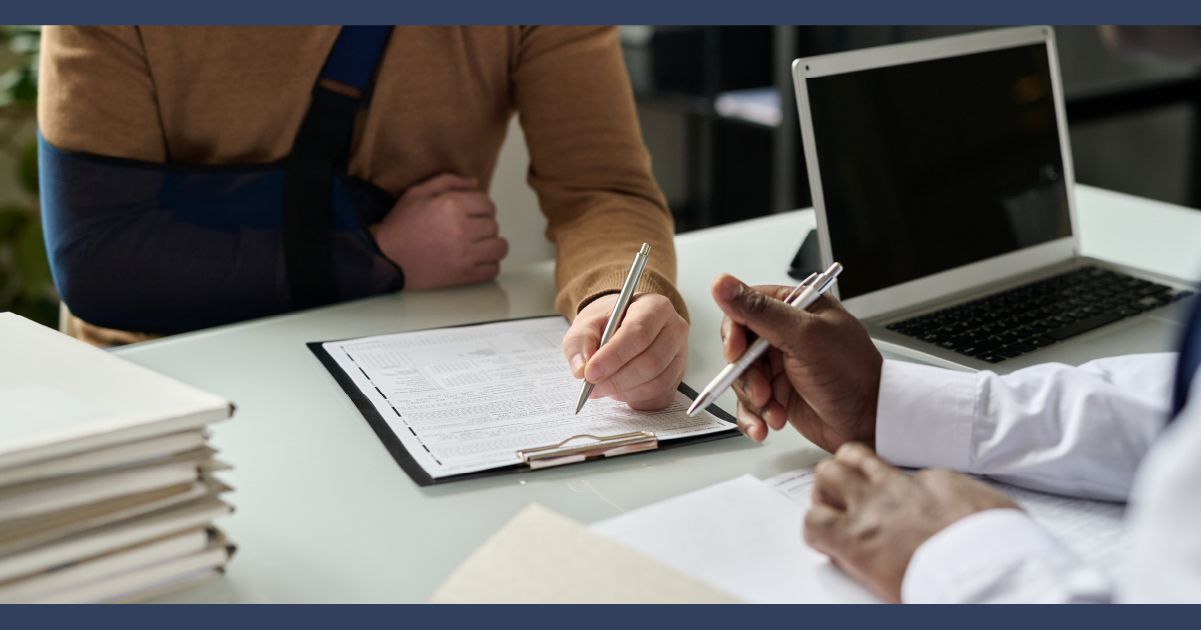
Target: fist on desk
{"x": 443, "y": 233}
{"x": 643, "y": 362}
{"x": 870, "y": 518}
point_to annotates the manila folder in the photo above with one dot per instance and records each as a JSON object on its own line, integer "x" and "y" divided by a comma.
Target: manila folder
{"x": 541, "y": 556}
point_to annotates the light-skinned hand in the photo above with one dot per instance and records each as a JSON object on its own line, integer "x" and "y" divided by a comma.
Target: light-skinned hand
{"x": 443, "y": 233}
{"x": 870, "y": 517}
{"x": 643, "y": 362}
{"x": 822, "y": 374}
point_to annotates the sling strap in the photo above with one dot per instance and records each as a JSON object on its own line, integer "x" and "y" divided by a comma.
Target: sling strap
{"x": 321, "y": 151}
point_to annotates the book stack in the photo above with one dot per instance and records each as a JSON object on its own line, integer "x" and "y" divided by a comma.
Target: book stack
{"x": 107, "y": 490}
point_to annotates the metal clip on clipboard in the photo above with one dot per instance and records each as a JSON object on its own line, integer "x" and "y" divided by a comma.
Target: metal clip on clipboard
{"x": 561, "y": 453}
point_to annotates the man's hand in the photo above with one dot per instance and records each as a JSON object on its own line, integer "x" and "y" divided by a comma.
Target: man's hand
{"x": 822, "y": 374}
{"x": 643, "y": 362}
{"x": 443, "y": 233}
{"x": 870, "y": 517}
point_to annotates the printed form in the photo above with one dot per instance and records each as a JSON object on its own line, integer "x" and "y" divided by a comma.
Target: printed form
{"x": 467, "y": 399}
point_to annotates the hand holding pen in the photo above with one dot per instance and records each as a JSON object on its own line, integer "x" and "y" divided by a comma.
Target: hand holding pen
{"x": 801, "y": 298}
{"x": 821, "y": 373}
{"x": 644, "y": 359}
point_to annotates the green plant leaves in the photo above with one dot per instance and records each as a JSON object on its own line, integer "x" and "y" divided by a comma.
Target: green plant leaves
{"x": 11, "y": 220}
{"x": 27, "y": 168}
{"x": 26, "y": 285}
{"x": 29, "y": 250}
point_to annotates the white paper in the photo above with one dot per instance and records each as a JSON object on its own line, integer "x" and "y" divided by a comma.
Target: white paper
{"x": 1091, "y": 529}
{"x": 467, "y": 399}
{"x": 740, "y": 536}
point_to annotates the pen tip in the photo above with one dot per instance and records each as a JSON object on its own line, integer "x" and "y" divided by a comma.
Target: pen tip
{"x": 700, "y": 404}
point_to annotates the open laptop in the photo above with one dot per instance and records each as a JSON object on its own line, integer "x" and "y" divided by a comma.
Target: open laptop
{"x": 941, "y": 175}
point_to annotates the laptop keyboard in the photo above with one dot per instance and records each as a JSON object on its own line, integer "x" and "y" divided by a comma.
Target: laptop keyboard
{"x": 1036, "y": 315}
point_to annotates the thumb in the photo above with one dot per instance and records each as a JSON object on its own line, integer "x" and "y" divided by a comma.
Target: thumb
{"x": 441, "y": 183}
{"x": 766, "y": 315}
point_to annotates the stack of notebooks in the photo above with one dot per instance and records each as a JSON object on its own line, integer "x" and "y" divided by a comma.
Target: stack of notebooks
{"x": 107, "y": 491}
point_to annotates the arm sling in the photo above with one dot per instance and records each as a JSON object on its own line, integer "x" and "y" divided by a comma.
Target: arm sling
{"x": 168, "y": 248}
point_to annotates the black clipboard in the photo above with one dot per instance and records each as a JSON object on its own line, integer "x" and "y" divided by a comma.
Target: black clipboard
{"x": 419, "y": 475}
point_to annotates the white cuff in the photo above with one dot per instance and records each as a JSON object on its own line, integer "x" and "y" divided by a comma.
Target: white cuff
{"x": 994, "y": 556}
{"x": 924, "y": 416}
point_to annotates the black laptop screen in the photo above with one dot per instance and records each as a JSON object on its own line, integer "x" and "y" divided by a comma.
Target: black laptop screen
{"x": 932, "y": 165}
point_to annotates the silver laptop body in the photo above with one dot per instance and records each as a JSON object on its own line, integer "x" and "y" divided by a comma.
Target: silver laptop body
{"x": 921, "y": 230}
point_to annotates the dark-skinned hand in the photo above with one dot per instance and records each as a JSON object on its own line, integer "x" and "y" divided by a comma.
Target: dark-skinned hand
{"x": 822, "y": 374}
{"x": 870, "y": 518}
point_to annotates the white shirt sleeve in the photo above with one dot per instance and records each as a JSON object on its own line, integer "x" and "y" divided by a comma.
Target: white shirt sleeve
{"x": 1079, "y": 431}
{"x": 999, "y": 556}
{"x": 1164, "y": 516}
{"x": 1004, "y": 556}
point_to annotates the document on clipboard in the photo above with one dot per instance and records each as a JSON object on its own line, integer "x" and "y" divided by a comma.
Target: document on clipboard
{"x": 456, "y": 403}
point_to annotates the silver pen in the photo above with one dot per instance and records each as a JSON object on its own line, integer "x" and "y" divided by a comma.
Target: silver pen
{"x": 619, "y": 311}
{"x": 811, "y": 289}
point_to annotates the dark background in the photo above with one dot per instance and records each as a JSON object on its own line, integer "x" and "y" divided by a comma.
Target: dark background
{"x": 1130, "y": 116}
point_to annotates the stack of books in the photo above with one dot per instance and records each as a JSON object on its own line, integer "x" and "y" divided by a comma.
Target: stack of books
{"x": 107, "y": 490}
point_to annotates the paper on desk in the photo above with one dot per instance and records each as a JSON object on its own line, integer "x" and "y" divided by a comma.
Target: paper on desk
{"x": 467, "y": 399}
{"x": 1092, "y": 529}
{"x": 542, "y": 557}
{"x": 740, "y": 536}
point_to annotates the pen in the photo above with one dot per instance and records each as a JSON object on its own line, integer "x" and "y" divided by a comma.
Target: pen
{"x": 812, "y": 288}
{"x": 619, "y": 311}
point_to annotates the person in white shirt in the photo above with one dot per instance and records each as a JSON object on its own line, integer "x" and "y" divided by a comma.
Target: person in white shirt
{"x": 1095, "y": 431}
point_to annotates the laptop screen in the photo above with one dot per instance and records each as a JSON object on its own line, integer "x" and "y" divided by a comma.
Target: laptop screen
{"x": 931, "y": 165}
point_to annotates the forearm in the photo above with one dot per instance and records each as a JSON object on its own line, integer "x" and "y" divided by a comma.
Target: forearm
{"x": 126, "y": 253}
{"x": 594, "y": 255}
{"x": 589, "y": 166}
{"x": 134, "y": 246}
{"x": 1080, "y": 431}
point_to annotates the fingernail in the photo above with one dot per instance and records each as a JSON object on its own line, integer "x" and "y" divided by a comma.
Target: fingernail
{"x": 595, "y": 373}
{"x": 729, "y": 288}
{"x": 577, "y": 364}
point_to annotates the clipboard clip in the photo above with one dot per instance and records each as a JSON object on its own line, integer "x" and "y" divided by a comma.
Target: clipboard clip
{"x": 561, "y": 453}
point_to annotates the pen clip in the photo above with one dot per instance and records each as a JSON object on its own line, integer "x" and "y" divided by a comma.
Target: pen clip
{"x": 801, "y": 287}
{"x": 820, "y": 283}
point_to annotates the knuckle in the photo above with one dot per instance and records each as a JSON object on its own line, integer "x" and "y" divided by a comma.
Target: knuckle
{"x": 824, "y": 469}
{"x": 640, "y": 336}
{"x": 818, "y": 519}
{"x": 679, "y": 326}
{"x": 754, "y": 302}
{"x": 852, "y": 452}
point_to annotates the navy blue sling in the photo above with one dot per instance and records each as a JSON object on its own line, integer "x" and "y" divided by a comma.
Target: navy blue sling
{"x": 167, "y": 248}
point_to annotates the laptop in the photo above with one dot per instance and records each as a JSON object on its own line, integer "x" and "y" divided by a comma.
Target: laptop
{"x": 941, "y": 176}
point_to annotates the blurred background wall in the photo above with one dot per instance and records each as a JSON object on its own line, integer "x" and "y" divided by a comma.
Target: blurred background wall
{"x": 727, "y": 148}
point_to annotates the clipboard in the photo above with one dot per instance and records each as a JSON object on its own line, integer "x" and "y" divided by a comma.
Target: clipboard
{"x": 577, "y": 449}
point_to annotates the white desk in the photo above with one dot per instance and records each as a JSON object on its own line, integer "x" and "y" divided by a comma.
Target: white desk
{"x": 324, "y": 514}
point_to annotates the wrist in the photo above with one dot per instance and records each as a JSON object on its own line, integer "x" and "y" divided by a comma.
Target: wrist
{"x": 865, "y": 427}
